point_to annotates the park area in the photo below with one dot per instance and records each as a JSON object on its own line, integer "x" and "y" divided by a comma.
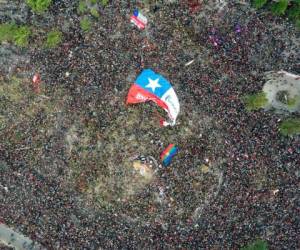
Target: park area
{"x": 80, "y": 168}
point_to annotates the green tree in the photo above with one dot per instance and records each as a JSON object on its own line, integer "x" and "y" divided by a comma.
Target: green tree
{"x": 82, "y": 8}
{"x": 85, "y": 24}
{"x": 54, "y": 38}
{"x": 280, "y": 7}
{"x": 39, "y": 6}
{"x": 290, "y": 126}
{"x": 104, "y": 2}
{"x": 19, "y": 35}
{"x": 95, "y": 13}
{"x": 259, "y": 3}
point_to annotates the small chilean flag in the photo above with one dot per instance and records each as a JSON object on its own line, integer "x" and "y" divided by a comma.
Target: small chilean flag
{"x": 138, "y": 19}
{"x": 150, "y": 86}
{"x": 167, "y": 155}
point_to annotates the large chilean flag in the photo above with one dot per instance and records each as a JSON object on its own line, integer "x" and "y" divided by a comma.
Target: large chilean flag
{"x": 150, "y": 86}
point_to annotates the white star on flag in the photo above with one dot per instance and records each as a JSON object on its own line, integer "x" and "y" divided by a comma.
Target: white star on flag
{"x": 153, "y": 84}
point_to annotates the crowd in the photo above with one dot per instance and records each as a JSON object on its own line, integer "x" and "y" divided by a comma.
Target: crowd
{"x": 232, "y": 48}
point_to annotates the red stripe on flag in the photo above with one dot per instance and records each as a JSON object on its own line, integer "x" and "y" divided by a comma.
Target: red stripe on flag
{"x": 137, "y": 94}
{"x": 137, "y": 22}
{"x": 166, "y": 151}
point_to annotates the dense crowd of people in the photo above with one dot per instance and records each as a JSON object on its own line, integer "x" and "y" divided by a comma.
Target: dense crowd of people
{"x": 232, "y": 48}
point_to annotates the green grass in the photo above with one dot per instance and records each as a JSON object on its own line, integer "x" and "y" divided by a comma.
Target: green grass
{"x": 255, "y": 101}
{"x": 82, "y": 8}
{"x": 7, "y": 31}
{"x": 85, "y": 24}
{"x": 259, "y": 3}
{"x": 95, "y": 13}
{"x": 19, "y": 35}
{"x": 93, "y": 1}
{"x": 291, "y": 102}
{"x": 280, "y": 7}
{"x": 290, "y": 127}
{"x": 39, "y": 6}
{"x": 256, "y": 245}
{"x": 54, "y": 38}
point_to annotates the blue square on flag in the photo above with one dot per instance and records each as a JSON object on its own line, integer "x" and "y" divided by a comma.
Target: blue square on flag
{"x": 152, "y": 82}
